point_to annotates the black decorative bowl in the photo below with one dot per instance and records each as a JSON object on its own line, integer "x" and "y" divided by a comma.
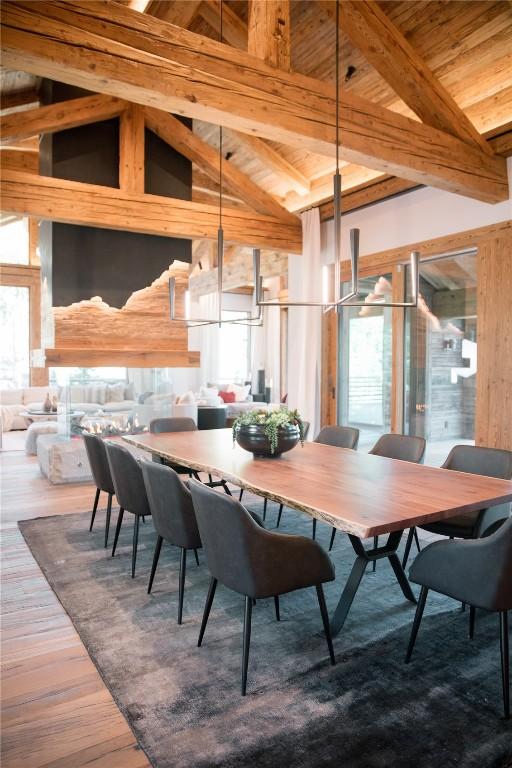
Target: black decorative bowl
{"x": 252, "y": 438}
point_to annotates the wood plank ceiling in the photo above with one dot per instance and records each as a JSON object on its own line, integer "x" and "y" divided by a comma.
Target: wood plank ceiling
{"x": 465, "y": 44}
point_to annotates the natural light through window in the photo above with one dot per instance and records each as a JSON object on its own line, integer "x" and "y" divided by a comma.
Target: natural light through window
{"x": 14, "y": 246}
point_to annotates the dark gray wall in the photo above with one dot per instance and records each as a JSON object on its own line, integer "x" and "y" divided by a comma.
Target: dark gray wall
{"x": 89, "y": 261}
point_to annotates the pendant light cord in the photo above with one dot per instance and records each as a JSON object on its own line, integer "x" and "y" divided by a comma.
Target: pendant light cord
{"x": 337, "y": 78}
{"x": 220, "y": 132}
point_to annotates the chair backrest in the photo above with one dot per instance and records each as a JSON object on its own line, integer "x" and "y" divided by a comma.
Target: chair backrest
{"x": 403, "y": 447}
{"x": 491, "y": 577}
{"x": 97, "y": 455}
{"x": 228, "y": 533}
{"x": 171, "y": 504}
{"x": 492, "y": 462}
{"x": 305, "y": 429}
{"x": 172, "y": 424}
{"x": 128, "y": 480}
{"x": 340, "y": 437}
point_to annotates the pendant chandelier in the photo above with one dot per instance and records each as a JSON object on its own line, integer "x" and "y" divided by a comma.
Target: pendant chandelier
{"x": 351, "y": 298}
{"x": 256, "y": 316}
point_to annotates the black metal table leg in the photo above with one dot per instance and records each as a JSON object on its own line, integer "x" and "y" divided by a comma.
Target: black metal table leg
{"x": 364, "y": 557}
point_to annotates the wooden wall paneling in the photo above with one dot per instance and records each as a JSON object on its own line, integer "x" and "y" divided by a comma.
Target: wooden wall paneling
{"x": 219, "y": 84}
{"x": 397, "y": 349}
{"x": 234, "y": 29}
{"x": 29, "y": 277}
{"x": 33, "y": 242}
{"x": 494, "y": 339}
{"x": 329, "y": 368}
{"x": 131, "y": 149}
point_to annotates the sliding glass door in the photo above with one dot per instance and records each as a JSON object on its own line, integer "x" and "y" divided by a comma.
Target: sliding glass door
{"x": 15, "y": 335}
{"x": 440, "y": 362}
{"x": 365, "y": 364}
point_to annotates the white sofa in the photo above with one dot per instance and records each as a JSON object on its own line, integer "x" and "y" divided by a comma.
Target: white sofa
{"x": 90, "y": 398}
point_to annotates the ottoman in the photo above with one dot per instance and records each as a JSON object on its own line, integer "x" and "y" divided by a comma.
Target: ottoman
{"x": 34, "y": 431}
{"x": 62, "y": 460}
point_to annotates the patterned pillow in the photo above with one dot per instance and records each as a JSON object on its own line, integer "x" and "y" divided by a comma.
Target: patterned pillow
{"x": 129, "y": 391}
{"x": 115, "y": 393}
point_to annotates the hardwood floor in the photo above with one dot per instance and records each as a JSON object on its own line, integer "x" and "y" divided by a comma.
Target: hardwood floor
{"x": 56, "y": 711}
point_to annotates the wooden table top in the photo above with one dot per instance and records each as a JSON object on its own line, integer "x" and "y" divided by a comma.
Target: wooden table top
{"x": 355, "y": 492}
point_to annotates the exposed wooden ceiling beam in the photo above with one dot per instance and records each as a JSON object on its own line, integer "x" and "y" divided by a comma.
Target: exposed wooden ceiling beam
{"x": 179, "y": 12}
{"x": 183, "y": 140}
{"x": 208, "y": 80}
{"x": 18, "y": 160}
{"x": 139, "y": 5}
{"x": 18, "y": 99}
{"x": 59, "y": 117}
{"x": 276, "y": 162}
{"x": 269, "y": 32}
{"x": 386, "y": 49}
{"x": 366, "y": 194}
{"x": 234, "y": 29}
{"x": 73, "y": 202}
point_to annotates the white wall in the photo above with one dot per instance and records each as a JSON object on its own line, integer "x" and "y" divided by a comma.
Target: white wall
{"x": 412, "y": 217}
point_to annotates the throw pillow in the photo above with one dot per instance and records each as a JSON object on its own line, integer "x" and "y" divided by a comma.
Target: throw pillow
{"x": 187, "y": 398}
{"x": 241, "y": 393}
{"x": 144, "y": 396}
{"x": 228, "y": 397}
{"x": 129, "y": 391}
{"x": 115, "y": 393}
{"x": 207, "y": 393}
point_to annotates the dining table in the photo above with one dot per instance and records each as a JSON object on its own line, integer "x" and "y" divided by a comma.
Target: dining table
{"x": 360, "y": 494}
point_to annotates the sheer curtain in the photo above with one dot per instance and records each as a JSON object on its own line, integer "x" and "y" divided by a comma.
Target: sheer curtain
{"x": 205, "y": 338}
{"x": 305, "y": 325}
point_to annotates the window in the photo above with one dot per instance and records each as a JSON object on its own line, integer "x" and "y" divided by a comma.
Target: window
{"x": 234, "y": 348}
{"x": 365, "y": 364}
{"x": 15, "y": 335}
{"x": 65, "y": 376}
{"x": 14, "y": 241}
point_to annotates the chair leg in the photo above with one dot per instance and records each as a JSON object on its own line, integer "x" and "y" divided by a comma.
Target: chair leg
{"x": 417, "y": 541}
{"x": 226, "y": 488}
{"x": 158, "y": 547}
{"x": 183, "y": 568}
{"x": 264, "y": 510}
{"x": 276, "y": 606}
{"x": 135, "y": 543}
{"x": 408, "y": 545}
{"x": 314, "y": 528}
{"x": 240, "y": 494}
{"x": 197, "y": 556}
{"x": 207, "y": 608}
{"x": 333, "y": 534}
{"x": 417, "y": 621}
{"x": 95, "y": 507}
{"x": 143, "y": 519}
{"x": 471, "y": 621}
{"x": 118, "y": 528}
{"x": 375, "y": 545}
{"x": 279, "y": 515}
{"x": 325, "y": 621}
{"x": 247, "y": 642}
{"x": 505, "y": 672}
{"x": 107, "y": 521}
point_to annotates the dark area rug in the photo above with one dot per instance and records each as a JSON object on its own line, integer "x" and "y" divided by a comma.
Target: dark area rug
{"x": 183, "y": 702}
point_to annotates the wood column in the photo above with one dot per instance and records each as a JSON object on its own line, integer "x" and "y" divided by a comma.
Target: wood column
{"x": 131, "y": 150}
{"x": 493, "y": 426}
{"x": 269, "y": 32}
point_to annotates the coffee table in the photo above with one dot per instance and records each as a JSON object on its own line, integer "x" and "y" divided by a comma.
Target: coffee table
{"x": 33, "y": 416}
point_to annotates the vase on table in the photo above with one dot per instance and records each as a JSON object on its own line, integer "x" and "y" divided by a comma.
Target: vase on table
{"x": 252, "y": 438}
{"x": 47, "y": 405}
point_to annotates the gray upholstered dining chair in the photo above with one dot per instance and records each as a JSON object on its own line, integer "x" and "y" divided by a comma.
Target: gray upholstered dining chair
{"x": 338, "y": 437}
{"x": 97, "y": 455}
{"x": 305, "y": 430}
{"x": 394, "y": 446}
{"x": 172, "y": 424}
{"x": 173, "y": 517}
{"x": 255, "y": 562}
{"x": 491, "y": 462}
{"x": 477, "y": 572}
{"x": 130, "y": 491}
